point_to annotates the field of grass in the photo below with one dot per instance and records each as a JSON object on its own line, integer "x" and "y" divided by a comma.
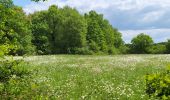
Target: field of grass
{"x": 119, "y": 77}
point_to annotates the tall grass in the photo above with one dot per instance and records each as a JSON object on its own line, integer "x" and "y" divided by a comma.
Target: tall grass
{"x": 97, "y": 77}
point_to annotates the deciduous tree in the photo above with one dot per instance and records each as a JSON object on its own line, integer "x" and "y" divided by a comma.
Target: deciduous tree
{"x": 141, "y": 43}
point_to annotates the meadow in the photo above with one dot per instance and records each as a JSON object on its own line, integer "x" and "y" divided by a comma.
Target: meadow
{"x": 78, "y": 77}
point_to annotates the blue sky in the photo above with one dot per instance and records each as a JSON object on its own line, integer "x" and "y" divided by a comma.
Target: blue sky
{"x": 131, "y": 17}
{"x": 22, "y": 3}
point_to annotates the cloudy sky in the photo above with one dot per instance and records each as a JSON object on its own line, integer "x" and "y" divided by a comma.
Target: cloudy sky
{"x": 131, "y": 17}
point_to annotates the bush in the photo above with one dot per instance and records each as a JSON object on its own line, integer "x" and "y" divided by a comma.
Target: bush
{"x": 168, "y": 46}
{"x": 16, "y": 81}
{"x": 158, "y": 85}
{"x": 157, "y": 49}
{"x": 113, "y": 51}
{"x": 83, "y": 51}
{"x": 9, "y": 69}
{"x": 124, "y": 49}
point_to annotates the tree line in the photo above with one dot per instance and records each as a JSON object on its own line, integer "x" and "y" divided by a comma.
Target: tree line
{"x": 66, "y": 31}
{"x": 144, "y": 44}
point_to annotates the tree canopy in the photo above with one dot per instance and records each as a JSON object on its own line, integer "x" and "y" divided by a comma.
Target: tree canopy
{"x": 64, "y": 31}
{"x": 15, "y": 34}
{"x": 168, "y": 46}
{"x": 141, "y": 43}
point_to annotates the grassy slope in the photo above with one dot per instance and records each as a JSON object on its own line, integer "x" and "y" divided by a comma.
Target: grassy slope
{"x": 98, "y": 77}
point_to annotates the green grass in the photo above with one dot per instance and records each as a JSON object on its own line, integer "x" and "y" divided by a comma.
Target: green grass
{"x": 97, "y": 77}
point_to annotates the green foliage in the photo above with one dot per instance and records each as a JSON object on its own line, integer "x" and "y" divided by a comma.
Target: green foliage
{"x": 168, "y": 46}
{"x": 72, "y": 33}
{"x": 21, "y": 25}
{"x": 16, "y": 81}
{"x": 98, "y": 77}
{"x": 124, "y": 49}
{"x": 101, "y": 36}
{"x": 95, "y": 35}
{"x": 54, "y": 22}
{"x": 4, "y": 44}
{"x": 14, "y": 30}
{"x": 58, "y": 30}
{"x": 158, "y": 85}
{"x": 64, "y": 30}
{"x": 8, "y": 69}
{"x": 83, "y": 51}
{"x": 157, "y": 49}
{"x": 141, "y": 43}
{"x": 4, "y": 49}
{"x": 40, "y": 31}
{"x": 6, "y": 3}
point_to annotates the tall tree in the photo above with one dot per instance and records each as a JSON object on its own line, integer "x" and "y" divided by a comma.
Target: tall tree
{"x": 63, "y": 29}
{"x": 74, "y": 33}
{"x": 55, "y": 21}
{"x": 101, "y": 36}
{"x": 21, "y": 25}
{"x": 15, "y": 29}
{"x": 6, "y": 33}
{"x": 40, "y": 31}
{"x": 141, "y": 43}
{"x": 168, "y": 46}
{"x": 95, "y": 34}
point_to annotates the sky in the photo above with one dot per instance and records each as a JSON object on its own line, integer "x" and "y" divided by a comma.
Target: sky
{"x": 131, "y": 17}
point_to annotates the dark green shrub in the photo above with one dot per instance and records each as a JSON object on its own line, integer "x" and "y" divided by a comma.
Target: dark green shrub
{"x": 124, "y": 49}
{"x": 141, "y": 43}
{"x": 168, "y": 46}
{"x": 94, "y": 47}
{"x": 83, "y": 51}
{"x": 8, "y": 69}
{"x": 17, "y": 82}
{"x": 157, "y": 49}
{"x": 113, "y": 50}
{"x": 158, "y": 85}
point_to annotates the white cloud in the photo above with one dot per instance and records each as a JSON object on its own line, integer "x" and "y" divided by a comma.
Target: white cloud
{"x": 141, "y": 11}
{"x": 124, "y": 5}
{"x": 152, "y": 16}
